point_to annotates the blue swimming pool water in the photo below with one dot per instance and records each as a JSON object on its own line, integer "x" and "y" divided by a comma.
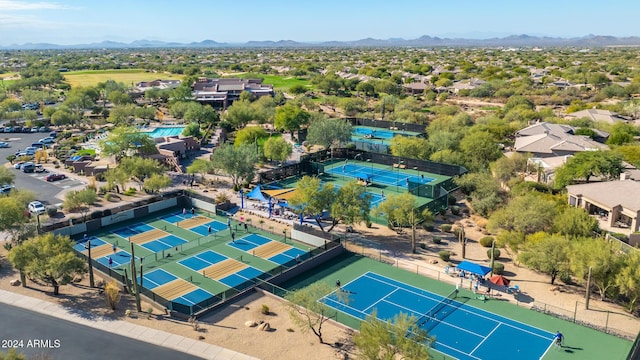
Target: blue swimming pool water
{"x": 165, "y": 131}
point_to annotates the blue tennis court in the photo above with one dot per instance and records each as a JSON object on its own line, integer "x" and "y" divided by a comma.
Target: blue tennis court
{"x": 164, "y": 243}
{"x": 382, "y": 176}
{"x": 82, "y": 245}
{"x": 194, "y": 297}
{"x": 156, "y": 278}
{"x": 132, "y": 230}
{"x": 242, "y": 278}
{"x": 203, "y": 260}
{"x": 119, "y": 258}
{"x": 461, "y": 331}
{"x": 174, "y": 218}
{"x": 204, "y": 229}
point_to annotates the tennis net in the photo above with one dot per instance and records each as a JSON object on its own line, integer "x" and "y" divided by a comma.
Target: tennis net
{"x": 431, "y": 314}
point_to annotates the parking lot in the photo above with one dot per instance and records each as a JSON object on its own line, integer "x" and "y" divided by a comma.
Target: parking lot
{"x": 45, "y": 191}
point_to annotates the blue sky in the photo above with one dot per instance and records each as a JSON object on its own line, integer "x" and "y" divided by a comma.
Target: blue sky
{"x": 85, "y": 21}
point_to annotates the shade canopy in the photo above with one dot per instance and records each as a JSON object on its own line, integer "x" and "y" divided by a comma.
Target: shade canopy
{"x": 500, "y": 280}
{"x": 256, "y": 194}
{"x": 474, "y": 268}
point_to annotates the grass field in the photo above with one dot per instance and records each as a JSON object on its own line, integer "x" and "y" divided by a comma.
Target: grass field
{"x": 126, "y": 76}
{"x": 282, "y": 83}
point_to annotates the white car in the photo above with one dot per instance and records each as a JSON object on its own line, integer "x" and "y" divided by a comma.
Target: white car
{"x": 36, "y": 207}
{"x": 4, "y": 144}
{"x": 47, "y": 141}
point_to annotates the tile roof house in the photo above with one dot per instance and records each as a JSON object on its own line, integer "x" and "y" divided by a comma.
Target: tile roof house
{"x": 597, "y": 115}
{"x": 223, "y": 92}
{"x": 610, "y": 200}
{"x": 415, "y": 88}
{"x": 157, "y": 84}
{"x": 545, "y": 140}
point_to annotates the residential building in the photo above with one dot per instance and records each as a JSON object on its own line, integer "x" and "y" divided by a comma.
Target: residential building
{"x": 612, "y": 201}
{"x": 597, "y": 115}
{"x": 544, "y": 140}
{"x": 221, "y": 93}
{"x": 157, "y": 84}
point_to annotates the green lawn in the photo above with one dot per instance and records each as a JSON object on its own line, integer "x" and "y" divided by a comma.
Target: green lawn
{"x": 279, "y": 82}
{"x": 126, "y": 76}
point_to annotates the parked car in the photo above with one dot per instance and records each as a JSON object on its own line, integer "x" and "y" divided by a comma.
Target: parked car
{"x": 28, "y": 167}
{"x": 34, "y": 129}
{"x": 41, "y": 169}
{"x": 4, "y": 144}
{"x": 38, "y": 145}
{"x": 47, "y": 140}
{"x": 53, "y": 134}
{"x": 55, "y": 177}
{"x": 8, "y": 129}
{"x": 18, "y": 165}
{"x": 5, "y": 189}
{"x": 36, "y": 207}
{"x": 26, "y": 130}
{"x": 43, "y": 129}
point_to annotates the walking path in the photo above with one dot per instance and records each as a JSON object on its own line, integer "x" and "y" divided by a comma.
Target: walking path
{"x": 123, "y": 328}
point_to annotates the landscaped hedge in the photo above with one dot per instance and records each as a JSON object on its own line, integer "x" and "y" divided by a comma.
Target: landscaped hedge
{"x": 498, "y": 269}
{"x": 444, "y": 255}
{"x": 496, "y": 253}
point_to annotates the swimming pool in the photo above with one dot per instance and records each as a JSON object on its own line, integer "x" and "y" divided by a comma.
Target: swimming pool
{"x": 165, "y": 131}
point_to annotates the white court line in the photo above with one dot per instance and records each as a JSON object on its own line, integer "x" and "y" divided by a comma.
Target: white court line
{"x": 485, "y": 338}
{"x": 382, "y": 299}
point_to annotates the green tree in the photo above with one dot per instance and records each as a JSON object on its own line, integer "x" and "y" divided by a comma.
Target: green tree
{"x": 277, "y": 148}
{"x": 573, "y": 221}
{"x": 526, "y": 214}
{"x": 238, "y": 162}
{"x": 202, "y": 114}
{"x": 121, "y": 114}
{"x": 410, "y": 147}
{"x": 549, "y": 255}
{"x": 399, "y": 338}
{"x": 403, "y": 210}
{"x": 64, "y": 116}
{"x": 622, "y": 133}
{"x": 240, "y": 113}
{"x": 157, "y": 182}
{"x": 200, "y": 166}
{"x": 192, "y": 129}
{"x": 117, "y": 178}
{"x": 139, "y": 169}
{"x": 250, "y": 135}
{"x": 329, "y": 132}
{"x": 125, "y": 141}
{"x": 597, "y": 255}
{"x": 289, "y": 117}
{"x": 79, "y": 200}
{"x": 49, "y": 258}
{"x": 307, "y": 312}
{"x": 12, "y": 354}
{"x": 486, "y": 194}
{"x": 628, "y": 279}
{"x": 6, "y": 176}
{"x": 12, "y": 216}
{"x": 351, "y": 205}
{"x": 312, "y": 197}
{"x": 479, "y": 149}
{"x": 506, "y": 168}
{"x": 586, "y": 164}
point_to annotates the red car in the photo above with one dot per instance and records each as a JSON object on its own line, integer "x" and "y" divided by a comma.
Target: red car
{"x": 55, "y": 177}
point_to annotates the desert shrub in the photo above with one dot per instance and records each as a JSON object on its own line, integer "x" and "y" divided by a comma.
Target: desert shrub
{"x": 486, "y": 241}
{"x": 451, "y": 200}
{"x": 107, "y": 196}
{"x": 52, "y": 210}
{"x": 498, "y": 269}
{"x": 446, "y": 228}
{"x": 130, "y": 192}
{"x": 455, "y": 210}
{"x": 436, "y": 240}
{"x": 444, "y": 255}
{"x": 457, "y": 232}
{"x": 496, "y": 253}
{"x": 265, "y": 309}
{"x": 112, "y": 294}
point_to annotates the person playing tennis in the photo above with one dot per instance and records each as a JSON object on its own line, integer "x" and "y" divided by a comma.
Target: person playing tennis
{"x": 558, "y": 339}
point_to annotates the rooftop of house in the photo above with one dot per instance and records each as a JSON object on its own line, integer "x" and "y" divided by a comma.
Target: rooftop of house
{"x": 597, "y": 115}
{"x": 610, "y": 193}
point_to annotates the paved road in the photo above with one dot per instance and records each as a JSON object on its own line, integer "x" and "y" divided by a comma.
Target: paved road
{"x": 34, "y": 334}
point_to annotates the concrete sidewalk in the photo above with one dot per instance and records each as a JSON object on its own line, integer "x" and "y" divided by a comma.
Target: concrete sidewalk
{"x": 123, "y": 328}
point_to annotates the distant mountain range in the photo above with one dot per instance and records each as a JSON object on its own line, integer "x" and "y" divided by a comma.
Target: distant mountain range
{"x": 423, "y": 41}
